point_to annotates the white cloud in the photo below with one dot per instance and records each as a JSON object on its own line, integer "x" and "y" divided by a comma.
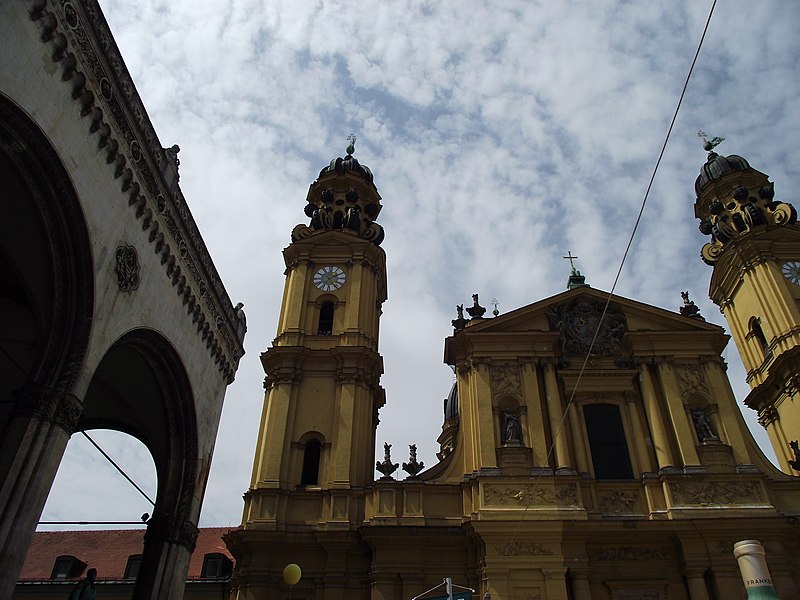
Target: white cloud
{"x": 506, "y": 134}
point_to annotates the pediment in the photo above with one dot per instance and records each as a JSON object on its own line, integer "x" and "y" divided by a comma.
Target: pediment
{"x": 564, "y": 326}
{"x": 638, "y": 316}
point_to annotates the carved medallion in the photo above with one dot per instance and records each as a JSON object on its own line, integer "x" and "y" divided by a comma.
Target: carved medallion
{"x": 578, "y": 323}
{"x": 127, "y": 268}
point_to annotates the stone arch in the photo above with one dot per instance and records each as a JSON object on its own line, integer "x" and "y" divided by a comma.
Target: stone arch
{"x": 46, "y": 310}
{"x": 141, "y": 387}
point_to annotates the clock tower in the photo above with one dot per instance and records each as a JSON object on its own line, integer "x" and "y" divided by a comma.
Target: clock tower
{"x": 755, "y": 253}
{"x": 315, "y": 453}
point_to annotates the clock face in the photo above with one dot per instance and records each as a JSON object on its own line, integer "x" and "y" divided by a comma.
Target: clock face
{"x": 791, "y": 270}
{"x": 329, "y": 278}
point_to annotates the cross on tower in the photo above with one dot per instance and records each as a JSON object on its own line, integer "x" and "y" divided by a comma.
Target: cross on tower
{"x": 570, "y": 258}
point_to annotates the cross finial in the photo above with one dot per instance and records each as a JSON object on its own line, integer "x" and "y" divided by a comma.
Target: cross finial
{"x": 570, "y": 258}
{"x": 709, "y": 145}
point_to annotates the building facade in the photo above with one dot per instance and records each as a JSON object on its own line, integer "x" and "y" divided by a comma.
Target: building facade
{"x": 112, "y": 312}
{"x": 591, "y": 446}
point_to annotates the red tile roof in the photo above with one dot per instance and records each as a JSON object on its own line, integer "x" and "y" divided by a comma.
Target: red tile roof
{"x": 108, "y": 550}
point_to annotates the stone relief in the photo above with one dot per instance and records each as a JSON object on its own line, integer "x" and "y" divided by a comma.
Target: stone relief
{"x": 619, "y": 501}
{"x": 523, "y": 549}
{"x": 127, "y": 268}
{"x": 626, "y": 553}
{"x": 530, "y": 495}
{"x": 691, "y": 381}
{"x": 578, "y": 323}
{"x": 505, "y": 379}
{"x": 716, "y": 493}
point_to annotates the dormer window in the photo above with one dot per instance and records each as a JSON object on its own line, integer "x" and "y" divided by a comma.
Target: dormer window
{"x": 67, "y": 567}
{"x": 216, "y": 566}
{"x": 132, "y": 568}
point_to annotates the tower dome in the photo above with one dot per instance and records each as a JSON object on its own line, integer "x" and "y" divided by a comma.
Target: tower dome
{"x": 716, "y": 166}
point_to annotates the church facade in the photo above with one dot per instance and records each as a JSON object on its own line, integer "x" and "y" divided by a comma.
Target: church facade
{"x": 591, "y": 447}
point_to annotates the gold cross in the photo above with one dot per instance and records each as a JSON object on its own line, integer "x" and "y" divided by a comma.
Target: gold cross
{"x": 571, "y": 258}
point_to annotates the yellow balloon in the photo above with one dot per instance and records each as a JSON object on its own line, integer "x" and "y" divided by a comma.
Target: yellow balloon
{"x": 291, "y": 574}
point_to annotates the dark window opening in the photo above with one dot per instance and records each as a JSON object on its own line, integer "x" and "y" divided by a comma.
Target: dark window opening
{"x": 607, "y": 442}
{"x": 132, "y": 568}
{"x": 311, "y": 454}
{"x": 325, "y": 319}
{"x": 67, "y": 567}
{"x": 758, "y": 334}
{"x": 216, "y": 566}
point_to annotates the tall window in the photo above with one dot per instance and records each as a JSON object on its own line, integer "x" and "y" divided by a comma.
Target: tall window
{"x": 311, "y": 455}
{"x": 325, "y": 319}
{"x": 607, "y": 442}
{"x": 758, "y": 334}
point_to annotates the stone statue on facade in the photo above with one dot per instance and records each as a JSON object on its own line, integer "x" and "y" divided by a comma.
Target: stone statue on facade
{"x": 702, "y": 426}
{"x": 512, "y": 432}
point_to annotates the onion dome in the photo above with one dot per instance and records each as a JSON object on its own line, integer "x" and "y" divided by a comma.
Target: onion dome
{"x": 716, "y": 166}
{"x": 447, "y": 439}
{"x": 733, "y": 200}
{"x": 343, "y": 198}
{"x": 347, "y": 164}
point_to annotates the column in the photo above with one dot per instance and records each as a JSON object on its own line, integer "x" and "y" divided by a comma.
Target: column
{"x": 638, "y": 433}
{"x": 696, "y": 583}
{"x": 554, "y": 408}
{"x": 579, "y": 578}
{"x": 729, "y": 423}
{"x": 535, "y": 420}
{"x": 30, "y": 453}
{"x": 579, "y": 441}
{"x": 658, "y": 430}
{"x": 168, "y": 545}
{"x": 677, "y": 414}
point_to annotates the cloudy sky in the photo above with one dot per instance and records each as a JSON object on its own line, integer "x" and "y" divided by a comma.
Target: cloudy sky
{"x": 501, "y": 134}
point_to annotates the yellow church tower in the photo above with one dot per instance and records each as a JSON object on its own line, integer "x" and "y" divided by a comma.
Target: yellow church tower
{"x": 755, "y": 252}
{"x": 315, "y": 451}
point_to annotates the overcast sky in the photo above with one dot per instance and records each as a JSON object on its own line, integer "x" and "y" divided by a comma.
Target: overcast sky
{"x": 501, "y": 136}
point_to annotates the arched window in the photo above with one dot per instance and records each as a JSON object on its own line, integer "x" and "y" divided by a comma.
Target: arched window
{"x": 607, "y": 443}
{"x": 311, "y": 456}
{"x": 758, "y": 334}
{"x": 325, "y": 319}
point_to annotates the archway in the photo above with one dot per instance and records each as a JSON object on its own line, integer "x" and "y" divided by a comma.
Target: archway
{"x": 46, "y": 303}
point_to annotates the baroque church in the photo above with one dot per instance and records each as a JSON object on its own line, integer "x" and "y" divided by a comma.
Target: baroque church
{"x": 591, "y": 446}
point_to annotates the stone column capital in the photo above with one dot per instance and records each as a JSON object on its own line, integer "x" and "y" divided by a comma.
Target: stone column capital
{"x": 173, "y": 530}
{"x": 48, "y": 404}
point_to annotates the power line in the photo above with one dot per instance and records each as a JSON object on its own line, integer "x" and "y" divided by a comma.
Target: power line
{"x": 117, "y": 467}
{"x": 631, "y": 238}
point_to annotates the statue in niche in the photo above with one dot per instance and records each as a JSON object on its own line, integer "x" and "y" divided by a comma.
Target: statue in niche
{"x": 702, "y": 426}
{"x": 511, "y": 432}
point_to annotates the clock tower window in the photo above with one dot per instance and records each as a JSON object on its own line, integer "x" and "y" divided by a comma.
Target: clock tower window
{"x": 311, "y": 456}
{"x": 325, "y": 319}
{"x": 758, "y": 334}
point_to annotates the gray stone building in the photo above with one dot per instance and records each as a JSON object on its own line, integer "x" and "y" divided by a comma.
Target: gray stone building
{"x": 111, "y": 311}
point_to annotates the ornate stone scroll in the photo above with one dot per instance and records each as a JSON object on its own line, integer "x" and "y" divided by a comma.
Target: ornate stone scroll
{"x": 579, "y": 321}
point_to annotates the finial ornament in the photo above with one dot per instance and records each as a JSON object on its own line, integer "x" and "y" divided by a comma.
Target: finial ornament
{"x": 494, "y": 303}
{"x": 387, "y": 467}
{"x": 709, "y": 145}
{"x": 351, "y": 147}
{"x": 570, "y": 258}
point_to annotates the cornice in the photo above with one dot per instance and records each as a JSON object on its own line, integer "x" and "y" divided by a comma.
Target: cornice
{"x": 80, "y": 42}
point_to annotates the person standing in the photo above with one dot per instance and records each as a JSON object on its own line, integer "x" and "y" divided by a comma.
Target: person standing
{"x": 85, "y": 588}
